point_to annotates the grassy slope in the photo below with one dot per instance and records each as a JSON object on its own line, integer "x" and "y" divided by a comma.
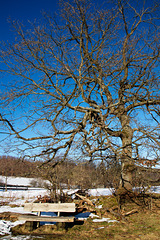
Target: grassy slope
{"x": 145, "y": 224}
{"x": 139, "y": 226}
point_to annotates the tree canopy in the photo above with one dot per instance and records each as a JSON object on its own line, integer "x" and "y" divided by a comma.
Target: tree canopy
{"x": 86, "y": 83}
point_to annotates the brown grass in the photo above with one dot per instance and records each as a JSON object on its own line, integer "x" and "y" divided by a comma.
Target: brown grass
{"x": 144, "y": 225}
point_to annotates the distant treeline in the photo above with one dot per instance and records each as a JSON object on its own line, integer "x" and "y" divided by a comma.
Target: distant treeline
{"x": 81, "y": 174}
{"x": 13, "y": 166}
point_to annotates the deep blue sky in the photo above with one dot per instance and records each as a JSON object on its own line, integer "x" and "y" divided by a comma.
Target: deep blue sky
{"x": 22, "y": 10}
{"x": 27, "y": 10}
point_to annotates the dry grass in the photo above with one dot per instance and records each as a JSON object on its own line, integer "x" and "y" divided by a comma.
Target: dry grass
{"x": 144, "y": 225}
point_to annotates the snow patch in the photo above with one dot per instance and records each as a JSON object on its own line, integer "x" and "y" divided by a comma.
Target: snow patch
{"x": 100, "y": 192}
{"x": 92, "y": 215}
{"x": 5, "y": 226}
{"x": 104, "y": 220}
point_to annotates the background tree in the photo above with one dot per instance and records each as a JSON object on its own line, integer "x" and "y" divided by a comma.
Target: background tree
{"x": 14, "y": 166}
{"x": 89, "y": 78}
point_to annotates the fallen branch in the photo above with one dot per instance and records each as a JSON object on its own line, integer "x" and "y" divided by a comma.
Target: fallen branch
{"x": 85, "y": 199}
{"x": 130, "y": 212}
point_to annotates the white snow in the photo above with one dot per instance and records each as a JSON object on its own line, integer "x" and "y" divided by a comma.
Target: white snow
{"x": 104, "y": 220}
{"x": 16, "y": 180}
{"x": 100, "y": 192}
{"x": 5, "y": 226}
{"x": 10, "y": 209}
{"x": 98, "y": 219}
{"x": 100, "y": 206}
{"x": 155, "y": 189}
{"x": 19, "y": 197}
{"x": 92, "y": 215}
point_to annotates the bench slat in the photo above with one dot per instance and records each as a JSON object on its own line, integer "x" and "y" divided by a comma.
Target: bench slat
{"x": 50, "y": 207}
{"x": 45, "y": 218}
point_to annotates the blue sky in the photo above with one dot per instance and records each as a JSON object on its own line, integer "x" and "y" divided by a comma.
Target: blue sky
{"x": 22, "y": 10}
{"x": 28, "y": 10}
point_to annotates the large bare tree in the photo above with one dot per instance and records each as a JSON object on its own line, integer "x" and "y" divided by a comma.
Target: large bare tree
{"x": 86, "y": 83}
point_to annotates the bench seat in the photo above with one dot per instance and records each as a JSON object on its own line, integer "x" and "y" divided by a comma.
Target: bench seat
{"x": 34, "y": 218}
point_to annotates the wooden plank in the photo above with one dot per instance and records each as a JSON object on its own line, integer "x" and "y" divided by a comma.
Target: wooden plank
{"x": 45, "y": 218}
{"x": 85, "y": 199}
{"x": 50, "y": 207}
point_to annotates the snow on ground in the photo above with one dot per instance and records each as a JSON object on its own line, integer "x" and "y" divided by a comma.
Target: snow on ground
{"x": 19, "y": 197}
{"x": 100, "y": 192}
{"x": 16, "y": 180}
{"x": 155, "y": 189}
{"x": 21, "y": 181}
{"x": 104, "y": 220}
{"x": 5, "y": 226}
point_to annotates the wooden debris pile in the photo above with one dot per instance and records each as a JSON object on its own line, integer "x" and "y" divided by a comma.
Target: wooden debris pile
{"x": 83, "y": 204}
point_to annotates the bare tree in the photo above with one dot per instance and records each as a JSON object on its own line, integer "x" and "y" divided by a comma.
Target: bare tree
{"x": 87, "y": 78}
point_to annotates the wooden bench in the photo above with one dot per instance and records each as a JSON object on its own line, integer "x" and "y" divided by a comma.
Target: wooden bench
{"x": 48, "y": 207}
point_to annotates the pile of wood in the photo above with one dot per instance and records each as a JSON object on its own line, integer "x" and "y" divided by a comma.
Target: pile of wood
{"x": 84, "y": 204}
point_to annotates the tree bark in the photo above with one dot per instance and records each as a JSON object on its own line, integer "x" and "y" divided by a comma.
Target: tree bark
{"x": 127, "y": 164}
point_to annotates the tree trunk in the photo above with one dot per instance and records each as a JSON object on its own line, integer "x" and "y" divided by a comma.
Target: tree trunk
{"x": 127, "y": 164}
